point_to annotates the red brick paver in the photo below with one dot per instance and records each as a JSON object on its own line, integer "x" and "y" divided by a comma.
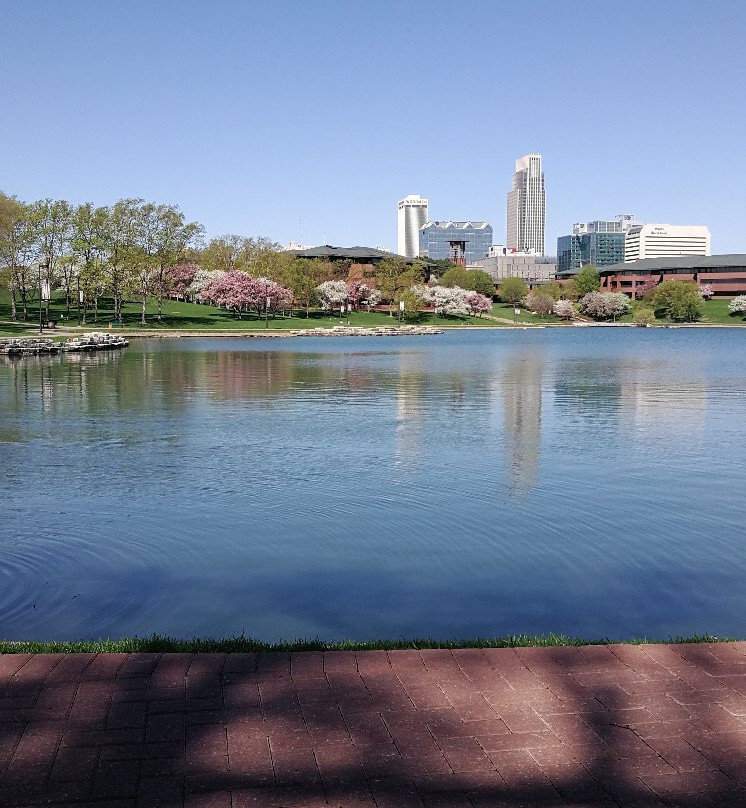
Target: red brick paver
{"x": 657, "y": 725}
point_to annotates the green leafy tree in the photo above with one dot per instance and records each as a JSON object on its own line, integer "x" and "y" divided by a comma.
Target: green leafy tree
{"x": 553, "y": 289}
{"x": 437, "y": 267}
{"x": 482, "y": 282}
{"x": 394, "y": 275}
{"x": 587, "y": 280}
{"x": 164, "y": 238}
{"x": 455, "y": 276}
{"x": 643, "y": 316}
{"x": 570, "y": 290}
{"x": 679, "y": 300}
{"x": 302, "y": 276}
{"x": 118, "y": 249}
{"x": 17, "y": 251}
{"x": 512, "y": 290}
{"x": 473, "y": 280}
{"x": 231, "y": 252}
{"x": 87, "y": 227}
{"x": 413, "y": 303}
{"x": 51, "y": 221}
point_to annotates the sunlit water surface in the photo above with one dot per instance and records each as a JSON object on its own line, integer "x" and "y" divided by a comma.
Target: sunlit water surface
{"x": 586, "y": 481}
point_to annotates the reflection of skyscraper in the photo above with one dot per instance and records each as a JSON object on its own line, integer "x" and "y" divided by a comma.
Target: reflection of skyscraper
{"x": 409, "y": 415}
{"x": 527, "y": 206}
{"x": 521, "y": 391}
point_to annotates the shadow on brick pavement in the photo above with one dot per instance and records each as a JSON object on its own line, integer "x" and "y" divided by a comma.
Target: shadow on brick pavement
{"x": 598, "y": 725}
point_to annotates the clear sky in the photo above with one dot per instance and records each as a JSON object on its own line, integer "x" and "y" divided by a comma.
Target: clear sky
{"x": 311, "y": 118}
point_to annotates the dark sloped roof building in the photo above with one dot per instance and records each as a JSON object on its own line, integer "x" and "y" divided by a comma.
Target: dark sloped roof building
{"x": 724, "y": 274}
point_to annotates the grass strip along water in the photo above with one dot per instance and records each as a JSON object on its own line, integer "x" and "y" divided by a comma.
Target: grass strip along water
{"x": 242, "y": 644}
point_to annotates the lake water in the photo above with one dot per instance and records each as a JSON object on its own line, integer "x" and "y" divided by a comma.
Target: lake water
{"x": 587, "y": 481}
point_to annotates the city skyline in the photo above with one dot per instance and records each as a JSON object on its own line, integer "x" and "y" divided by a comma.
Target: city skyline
{"x": 237, "y": 115}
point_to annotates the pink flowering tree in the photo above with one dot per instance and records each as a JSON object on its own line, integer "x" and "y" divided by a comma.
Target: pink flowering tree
{"x": 179, "y": 278}
{"x": 478, "y": 304}
{"x": 233, "y": 290}
{"x": 706, "y": 291}
{"x": 270, "y": 295}
{"x": 646, "y": 289}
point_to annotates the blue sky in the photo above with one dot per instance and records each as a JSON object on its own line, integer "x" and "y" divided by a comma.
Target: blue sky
{"x": 312, "y": 118}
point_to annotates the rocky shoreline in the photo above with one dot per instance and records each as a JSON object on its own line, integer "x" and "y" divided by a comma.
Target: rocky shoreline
{"x": 335, "y": 331}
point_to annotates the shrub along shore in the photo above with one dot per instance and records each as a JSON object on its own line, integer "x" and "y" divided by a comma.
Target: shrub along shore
{"x": 242, "y": 644}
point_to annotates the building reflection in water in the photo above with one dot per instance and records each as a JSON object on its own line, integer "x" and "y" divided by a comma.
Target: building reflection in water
{"x": 521, "y": 386}
{"x": 655, "y": 398}
{"x": 410, "y": 384}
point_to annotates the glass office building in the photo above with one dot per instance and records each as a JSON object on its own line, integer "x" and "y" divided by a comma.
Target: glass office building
{"x": 460, "y": 242}
{"x": 598, "y": 248}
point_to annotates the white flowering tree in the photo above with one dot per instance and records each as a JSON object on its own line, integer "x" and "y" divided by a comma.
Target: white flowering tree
{"x": 737, "y": 305}
{"x": 603, "y": 306}
{"x": 564, "y": 310}
{"x": 201, "y": 280}
{"x": 617, "y": 304}
{"x": 425, "y": 293}
{"x": 332, "y": 294}
{"x": 451, "y": 301}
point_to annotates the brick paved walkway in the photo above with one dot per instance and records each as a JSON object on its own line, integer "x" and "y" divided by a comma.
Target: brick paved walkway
{"x": 604, "y": 725}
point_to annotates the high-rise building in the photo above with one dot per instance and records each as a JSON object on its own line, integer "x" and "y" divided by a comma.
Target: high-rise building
{"x": 460, "y": 242}
{"x": 411, "y": 216}
{"x": 663, "y": 240}
{"x": 527, "y": 206}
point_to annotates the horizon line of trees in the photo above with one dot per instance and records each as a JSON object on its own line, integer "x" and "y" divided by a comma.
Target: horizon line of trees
{"x": 139, "y": 250}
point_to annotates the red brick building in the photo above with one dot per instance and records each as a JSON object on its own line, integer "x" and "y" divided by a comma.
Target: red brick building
{"x": 724, "y": 274}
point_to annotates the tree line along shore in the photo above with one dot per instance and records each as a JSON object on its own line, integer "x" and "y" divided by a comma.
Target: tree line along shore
{"x": 141, "y": 264}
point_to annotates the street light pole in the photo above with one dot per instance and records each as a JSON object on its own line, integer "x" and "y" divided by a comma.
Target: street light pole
{"x": 40, "y": 326}
{"x": 401, "y": 311}
{"x": 266, "y": 312}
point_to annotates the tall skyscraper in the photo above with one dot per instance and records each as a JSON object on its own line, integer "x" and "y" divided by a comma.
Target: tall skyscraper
{"x": 411, "y": 217}
{"x": 527, "y": 206}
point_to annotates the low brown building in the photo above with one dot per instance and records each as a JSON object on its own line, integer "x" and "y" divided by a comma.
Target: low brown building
{"x": 724, "y": 274}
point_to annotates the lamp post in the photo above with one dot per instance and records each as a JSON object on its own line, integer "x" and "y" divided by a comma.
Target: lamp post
{"x": 44, "y": 295}
{"x": 266, "y": 311}
{"x": 401, "y": 311}
{"x": 40, "y": 328}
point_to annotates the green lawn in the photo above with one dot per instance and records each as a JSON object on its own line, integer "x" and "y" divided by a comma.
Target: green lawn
{"x": 716, "y": 311}
{"x": 504, "y": 311}
{"x": 193, "y": 317}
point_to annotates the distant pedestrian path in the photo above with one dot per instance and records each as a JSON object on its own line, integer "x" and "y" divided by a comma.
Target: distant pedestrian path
{"x": 602, "y": 725}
